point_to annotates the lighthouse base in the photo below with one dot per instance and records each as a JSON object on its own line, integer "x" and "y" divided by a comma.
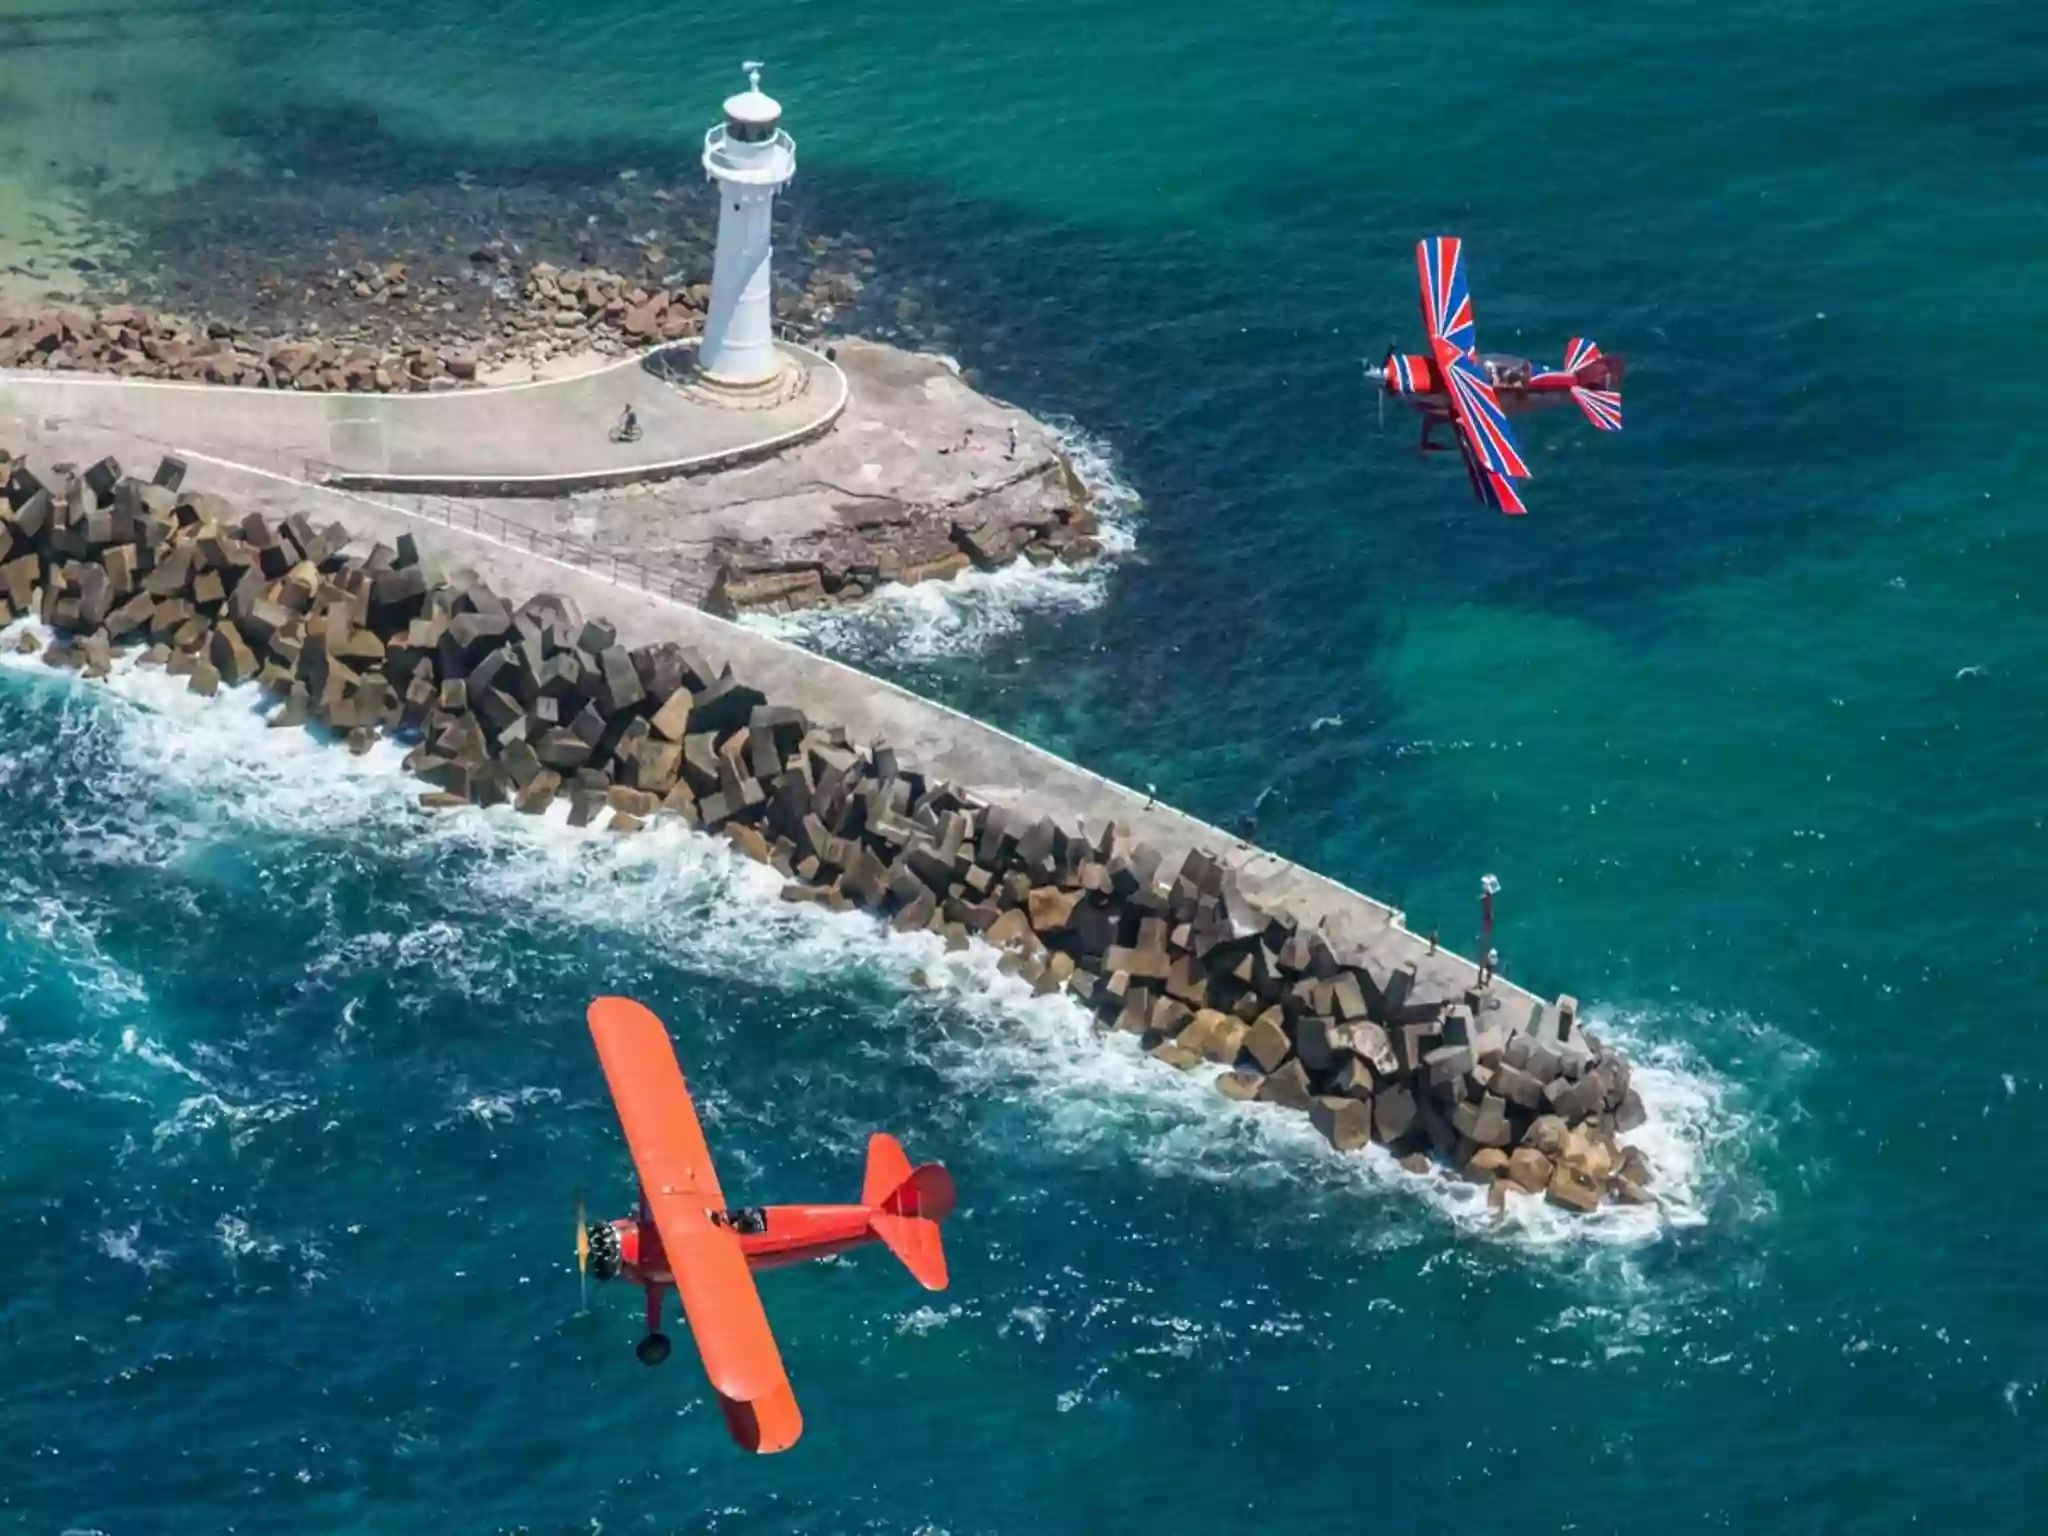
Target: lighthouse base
{"x": 769, "y": 384}
{"x": 682, "y": 367}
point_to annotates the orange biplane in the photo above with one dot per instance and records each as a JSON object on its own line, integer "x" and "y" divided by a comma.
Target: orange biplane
{"x": 685, "y": 1235}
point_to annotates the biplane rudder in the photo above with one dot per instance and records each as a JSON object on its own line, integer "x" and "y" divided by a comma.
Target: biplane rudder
{"x": 905, "y": 1206}
{"x": 1589, "y": 367}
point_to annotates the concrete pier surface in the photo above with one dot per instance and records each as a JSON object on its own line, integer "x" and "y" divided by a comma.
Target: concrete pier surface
{"x": 542, "y": 438}
{"x": 878, "y": 467}
{"x": 940, "y": 741}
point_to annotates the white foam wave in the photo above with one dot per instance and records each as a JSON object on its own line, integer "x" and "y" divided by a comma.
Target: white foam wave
{"x": 492, "y": 1108}
{"x": 962, "y": 616}
{"x": 59, "y": 928}
{"x": 923, "y": 1320}
{"x": 223, "y": 752}
{"x": 1089, "y": 1093}
{"x": 127, "y": 1247}
{"x": 243, "y": 1241}
{"x": 215, "y": 1103}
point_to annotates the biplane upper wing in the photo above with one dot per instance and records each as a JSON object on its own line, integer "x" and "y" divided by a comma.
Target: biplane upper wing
{"x": 1482, "y": 426}
{"x": 710, "y": 1269}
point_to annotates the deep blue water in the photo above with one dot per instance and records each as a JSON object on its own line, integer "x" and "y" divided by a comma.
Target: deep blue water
{"x": 295, "y": 1084}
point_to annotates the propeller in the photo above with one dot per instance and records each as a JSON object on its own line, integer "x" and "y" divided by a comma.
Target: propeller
{"x": 582, "y": 1253}
{"x": 1383, "y": 382}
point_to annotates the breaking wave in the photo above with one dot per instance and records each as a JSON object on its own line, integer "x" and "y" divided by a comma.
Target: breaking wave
{"x": 961, "y": 617}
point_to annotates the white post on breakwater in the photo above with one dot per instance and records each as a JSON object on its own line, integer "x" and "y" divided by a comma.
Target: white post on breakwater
{"x": 751, "y": 158}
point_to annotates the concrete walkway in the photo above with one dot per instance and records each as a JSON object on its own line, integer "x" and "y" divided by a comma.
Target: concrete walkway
{"x": 538, "y": 439}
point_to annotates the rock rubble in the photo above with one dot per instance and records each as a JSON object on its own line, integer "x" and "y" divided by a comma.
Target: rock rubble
{"x": 413, "y": 345}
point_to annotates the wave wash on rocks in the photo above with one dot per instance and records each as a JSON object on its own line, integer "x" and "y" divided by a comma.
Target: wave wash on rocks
{"x": 532, "y": 704}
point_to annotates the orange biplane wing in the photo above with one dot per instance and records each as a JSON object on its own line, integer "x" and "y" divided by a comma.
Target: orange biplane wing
{"x": 711, "y": 1274}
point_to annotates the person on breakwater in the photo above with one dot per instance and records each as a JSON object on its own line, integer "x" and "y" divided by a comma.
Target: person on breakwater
{"x": 628, "y": 429}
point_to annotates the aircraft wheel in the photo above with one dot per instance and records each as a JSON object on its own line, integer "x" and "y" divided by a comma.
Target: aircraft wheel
{"x": 653, "y": 1349}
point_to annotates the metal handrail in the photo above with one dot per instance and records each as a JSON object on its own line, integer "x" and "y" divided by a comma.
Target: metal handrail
{"x": 465, "y": 517}
{"x": 752, "y": 168}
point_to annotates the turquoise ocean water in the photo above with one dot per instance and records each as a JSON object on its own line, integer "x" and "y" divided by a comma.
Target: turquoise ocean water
{"x": 295, "y": 1091}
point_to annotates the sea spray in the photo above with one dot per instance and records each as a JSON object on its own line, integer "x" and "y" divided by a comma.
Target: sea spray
{"x": 963, "y": 616}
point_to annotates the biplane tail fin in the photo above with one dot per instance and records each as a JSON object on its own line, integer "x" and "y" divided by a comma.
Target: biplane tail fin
{"x": 905, "y": 1206}
{"x": 1596, "y": 383}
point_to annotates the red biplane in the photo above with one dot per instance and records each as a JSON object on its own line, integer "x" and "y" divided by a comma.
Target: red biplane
{"x": 1455, "y": 383}
{"x": 685, "y": 1235}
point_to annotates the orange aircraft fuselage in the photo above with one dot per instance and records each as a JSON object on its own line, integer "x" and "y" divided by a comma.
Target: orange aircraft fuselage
{"x": 791, "y": 1234}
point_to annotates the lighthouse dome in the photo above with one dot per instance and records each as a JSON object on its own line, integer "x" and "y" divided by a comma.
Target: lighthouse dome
{"x": 752, "y": 116}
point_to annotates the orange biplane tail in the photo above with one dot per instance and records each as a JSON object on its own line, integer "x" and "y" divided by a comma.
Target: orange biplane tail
{"x": 905, "y": 1206}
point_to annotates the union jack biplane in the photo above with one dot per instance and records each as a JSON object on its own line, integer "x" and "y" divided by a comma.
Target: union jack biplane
{"x": 1473, "y": 392}
{"x": 683, "y": 1234}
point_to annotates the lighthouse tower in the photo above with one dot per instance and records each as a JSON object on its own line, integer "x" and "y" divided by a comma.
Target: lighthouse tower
{"x": 751, "y": 159}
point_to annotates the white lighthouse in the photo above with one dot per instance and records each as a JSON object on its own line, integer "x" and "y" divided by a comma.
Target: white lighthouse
{"x": 751, "y": 159}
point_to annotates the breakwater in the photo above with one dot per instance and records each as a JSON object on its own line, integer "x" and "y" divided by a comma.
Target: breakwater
{"x": 524, "y": 705}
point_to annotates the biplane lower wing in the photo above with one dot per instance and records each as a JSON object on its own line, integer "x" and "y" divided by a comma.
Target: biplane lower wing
{"x": 711, "y": 1275}
{"x": 1493, "y": 490}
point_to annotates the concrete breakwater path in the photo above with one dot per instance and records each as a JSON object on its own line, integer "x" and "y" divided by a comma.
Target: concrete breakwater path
{"x": 1317, "y": 997}
{"x": 544, "y": 438}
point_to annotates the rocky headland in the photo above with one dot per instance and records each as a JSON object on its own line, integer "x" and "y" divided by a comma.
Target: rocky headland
{"x": 525, "y": 705}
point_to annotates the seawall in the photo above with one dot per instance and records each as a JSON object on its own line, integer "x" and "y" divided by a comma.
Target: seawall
{"x": 523, "y": 680}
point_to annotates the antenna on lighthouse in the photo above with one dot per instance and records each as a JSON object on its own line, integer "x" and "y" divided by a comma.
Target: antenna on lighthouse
{"x": 753, "y": 68}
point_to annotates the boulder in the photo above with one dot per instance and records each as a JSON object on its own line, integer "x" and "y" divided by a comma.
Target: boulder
{"x": 1631, "y": 1115}
{"x": 1201, "y": 1029}
{"x": 538, "y": 792}
{"x": 1485, "y": 1122}
{"x": 1345, "y": 1123}
{"x": 1316, "y": 1043}
{"x": 1241, "y": 1085}
{"x": 1370, "y": 1044}
{"x": 1354, "y": 1079}
{"x": 1226, "y": 1042}
{"x": 1052, "y": 909}
{"x": 1517, "y": 1086}
{"x": 672, "y": 720}
{"x": 1448, "y": 1063}
{"x": 1393, "y": 1112}
{"x": 1590, "y": 1157}
{"x": 231, "y": 655}
{"x": 1530, "y": 1169}
{"x": 1266, "y": 1042}
{"x": 1487, "y": 1165}
{"x": 1546, "y": 1135}
{"x": 620, "y": 688}
{"x": 1288, "y": 1086}
{"x": 1348, "y": 997}
{"x": 1571, "y": 1189}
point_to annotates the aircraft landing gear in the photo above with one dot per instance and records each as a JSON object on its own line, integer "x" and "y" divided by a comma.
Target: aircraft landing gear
{"x": 653, "y": 1349}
